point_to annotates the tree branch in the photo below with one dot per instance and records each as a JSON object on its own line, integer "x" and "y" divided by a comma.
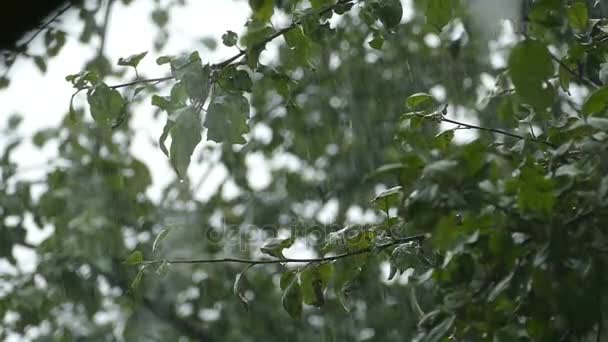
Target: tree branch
{"x": 242, "y": 53}
{"x": 576, "y": 75}
{"x": 494, "y": 130}
{"x": 419, "y": 238}
{"x": 20, "y": 49}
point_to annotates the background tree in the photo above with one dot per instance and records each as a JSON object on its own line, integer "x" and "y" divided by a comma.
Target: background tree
{"x": 480, "y": 143}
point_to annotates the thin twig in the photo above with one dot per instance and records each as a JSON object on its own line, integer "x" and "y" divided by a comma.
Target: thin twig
{"x": 494, "y": 130}
{"x": 104, "y": 28}
{"x": 419, "y": 237}
{"x": 578, "y": 76}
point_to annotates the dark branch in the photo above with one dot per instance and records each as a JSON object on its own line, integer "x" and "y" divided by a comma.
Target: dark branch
{"x": 494, "y": 130}
{"x": 419, "y": 238}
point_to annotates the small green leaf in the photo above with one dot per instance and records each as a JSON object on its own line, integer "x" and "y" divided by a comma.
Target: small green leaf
{"x": 137, "y": 280}
{"x": 440, "y": 330}
{"x": 439, "y": 13}
{"x": 578, "y": 15}
{"x": 262, "y": 9}
{"x": 163, "y": 60}
{"x": 320, "y": 4}
{"x": 40, "y": 63}
{"x": 135, "y": 258}
{"x": 389, "y": 12}
{"x": 132, "y": 60}
{"x": 274, "y": 247}
{"x": 159, "y": 238}
{"x": 596, "y": 102}
{"x": 388, "y": 198}
{"x": 230, "y": 38}
{"x": 419, "y": 101}
{"x": 500, "y": 287}
{"x": 376, "y": 43}
{"x": 185, "y": 135}
{"x": 292, "y": 299}
{"x": 106, "y": 104}
{"x": 226, "y": 119}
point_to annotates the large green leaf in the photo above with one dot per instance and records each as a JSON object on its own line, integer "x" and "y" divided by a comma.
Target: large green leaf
{"x": 530, "y": 66}
{"x": 106, "y": 105}
{"x": 226, "y": 119}
{"x": 439, "y": 13}
{"x": 262, "y": 9}
{"x": 292, "y": 299}
{"x": 389, "y": 12}
{"x": 185, "y": 135}
{"x": 596, "y": 102}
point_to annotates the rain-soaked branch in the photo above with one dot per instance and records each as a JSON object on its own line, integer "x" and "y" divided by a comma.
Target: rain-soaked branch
{"x": 419, "y": 238}
{"x": 243, "y": 53}
{"x": 461, "y": 125}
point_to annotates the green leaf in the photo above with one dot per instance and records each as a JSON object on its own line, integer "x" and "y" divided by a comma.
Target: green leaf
{"x": 185, "y": 135}
{"x": 163, "y": 60}
{"x": 578, "y": 15}
{"x": 530, "y": 66}
{"x": 403, "y": 257}
{"x": 439, "y": 13}
{"x": 443, "y": 139}
{"x": 500, "y": 287}
{"x": 237, "y": 289}
{"x": 235, "y": 81}
{"x": 292, "y": 299}
{"x": 135, "y": 258}
{"x": 320, "y": 4}
{"x": 159, "y": 238}
{"x": 299, "y": 45}
{"x": 226, "y": 119}
{"x": 230, "y": 38}
{"x": 160, "y": 17}
{"x": 388, "y": 198}
{"x": 440, "y": 330}
{"x": 54, "y": 40}
{"x": 314, "y": 280}
{"x": 132, "y": 60}
{"x": 163, "y": 137}
{"x": 193, "y": 75}
{"x": 137, "y": 280}
{"x": 40, "y": 63}
{"x": 274, "y": 247}
{"x": 389, "y": 12}
{"x": 596, "y": 102}
{"x": 106, "y": 104}
{"x": 262, "y": 9}
{"x": 565, "y": 77}
{"x": 419, "y": 101}
{"x": 286, "y": 278}
{"x": 376, "y": 43}
{"x": 534, "y": 191}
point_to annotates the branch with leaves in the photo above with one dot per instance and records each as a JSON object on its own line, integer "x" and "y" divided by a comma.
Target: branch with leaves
{"x": 137, "y": 257}
{"x": 243, "y": 53}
